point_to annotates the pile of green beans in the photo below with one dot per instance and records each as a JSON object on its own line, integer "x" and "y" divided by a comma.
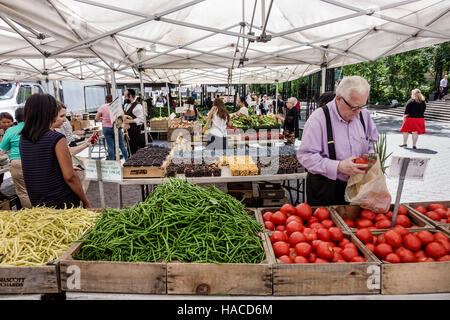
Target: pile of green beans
{"x": 179, "y": 221}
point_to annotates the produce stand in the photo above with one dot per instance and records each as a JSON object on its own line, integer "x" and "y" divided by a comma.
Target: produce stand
{"x": 412, "y": 205}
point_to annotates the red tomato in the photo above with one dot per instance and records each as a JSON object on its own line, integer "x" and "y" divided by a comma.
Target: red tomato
{"x": 327, "y": 224}
{"x": 435, "y": 250}
{"x": 300, "y": 259}
{"x": 310, "y": 236}
{"x": 420, "y": 254}
{"x": 393, "y": 238}
{"x": 358, "y": 259}
{"x": 269, "y": 225}
{"x": 383, "y": 224}
{"x": 363, "y": 223}
{"x": 287, "y": 209}
{"x": 401, "y": 230}
{"x": 286, "y": 259}
{"x": 350, "y": 223}
{"x": 402, "y": 210}
{"x": 444, "y": 258}
{"x": 296, "y": 237}
{"x": 422, "y": 259}
{"x": 433, "y": 215}
{"x": 304, "y": 211}
{"x": 303, "y": 249}
{"x": 293, "y": 227}
{"x": 380, "y": 216}
{"x": 442, "y": 212}
{"x": 324, "y": 250}
{"x": 367, "y": 214}
{"x": 443, "y": 220}
{"x": 407, "y": 256}
{"x": 382, "y": 250}
{"x": 371, "y": 247}
{"x": 433, "y": 206}
{"x": 364, "y": 235}
{"x": 336, "y": 234}
{"x": 425, "y": 237}
{"x": 312, "y": 257}
{"x": 389, "y": 215}
{"x": 319, "y": 260}
{"x": 337, "y": 250}
{"x": 316, "y": 225}
{"x": 361, "y": 161}
{"x": 440, "y": 235}
{"x": 337, "y": 256}
{"x": 343, "y": 242}
{"x": 315, "y": 243}
{"x": 294, "y": 218}
{"x": 321, "y": 213}
{"x": 403, "y": 221}
{"x": 279, "y": 218}
{"x": 446, "y": 244}
{"x": 349, "y": 254}
{"x": 281, "y": 228}
{"x": 393, "y": 258}
{"x": 412, "y": 242}
{"x": 267, "y": 216}
{"x": 281, "y": 248}
{"x": 350, "y": 245}
{"x": 277, "y": 236}
{"x": 421, "y": 209}
{"x": 323, "y": 234}
{"x": 381, "y": 239}
{"x": 292, "y": 253}
{"x": 313, "y": 220}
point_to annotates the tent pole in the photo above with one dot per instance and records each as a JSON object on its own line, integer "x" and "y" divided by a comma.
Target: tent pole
{"x": 324, "y": 77}
{"x": 168, "y": 103}
{"x": 116, "y": 134}
{"x": 276, "y": 96}
{"x": 144, "y": 105}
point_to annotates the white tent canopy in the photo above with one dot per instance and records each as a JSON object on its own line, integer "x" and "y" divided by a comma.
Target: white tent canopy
{"x": 208, "y": 41}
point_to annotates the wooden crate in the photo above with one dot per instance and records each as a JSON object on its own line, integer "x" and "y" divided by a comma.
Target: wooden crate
{"x": 412, "y": 205}
{"x": 222, "y": 279}
{"x": 274, "y": 202}
{"x": 272, "y": 193}
{"x": 146, "y": 172}
{"x": 239, "y": 186}
{"x": 159, "y": 124}
{"x": 352, "y": 212}
{"x": 29, "y": 279}
{"x": 241, "y": 194}
{"x": 111, "y": 277}
{"x": 406, "y": 278}
{"x": 269, "y": 186}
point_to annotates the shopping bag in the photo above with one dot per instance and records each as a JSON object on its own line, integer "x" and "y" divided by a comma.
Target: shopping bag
{"x": 369, "y": 189}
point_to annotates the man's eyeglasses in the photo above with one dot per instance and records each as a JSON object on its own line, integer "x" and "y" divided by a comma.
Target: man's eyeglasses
{"x": 352, "y": 107}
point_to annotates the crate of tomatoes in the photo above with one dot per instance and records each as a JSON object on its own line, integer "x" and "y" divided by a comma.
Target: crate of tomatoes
{"x": 353, "y": 217}
{"x": 436, "y": 213}
{"x": 314, "y": 256}
{"x": 413, "y": 261}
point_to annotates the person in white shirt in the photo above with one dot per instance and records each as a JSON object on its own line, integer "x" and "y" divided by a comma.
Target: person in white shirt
{"x": 134, "y": 126}
{"x": 219, "y": 118}
{"x": 443, "y": 87}
{"x": 243, "y": 107}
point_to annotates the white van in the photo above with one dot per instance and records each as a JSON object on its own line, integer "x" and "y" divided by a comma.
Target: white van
{"x": 14, "y": 94}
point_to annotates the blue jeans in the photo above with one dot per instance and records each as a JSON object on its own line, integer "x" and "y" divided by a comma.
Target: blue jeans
{"x": 109, "y": 137}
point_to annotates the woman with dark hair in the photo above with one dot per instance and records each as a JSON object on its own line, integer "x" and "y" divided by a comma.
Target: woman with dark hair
{"x": 10, "y": 142}
{"x": 191, "y": 113}
{"x": 325, "y": 98}
{"x": 414, "y": 118}
{"x": 46, "y": 162}
{"x": 219, "y": 118}
{"x": 243, "y": 107}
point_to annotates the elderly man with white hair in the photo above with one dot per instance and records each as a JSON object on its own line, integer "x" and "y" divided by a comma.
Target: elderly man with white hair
{"x": 290, "y": 129}
{"x": 333, "y": 137}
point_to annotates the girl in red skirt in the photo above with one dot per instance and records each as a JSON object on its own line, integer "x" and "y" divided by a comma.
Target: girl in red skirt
{"x": 414, "y": 121}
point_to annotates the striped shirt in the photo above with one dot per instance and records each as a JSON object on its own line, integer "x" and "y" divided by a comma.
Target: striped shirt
{"x": 43, "y": 176}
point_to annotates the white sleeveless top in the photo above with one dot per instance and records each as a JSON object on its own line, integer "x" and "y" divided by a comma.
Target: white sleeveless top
{"x": 218, "y": 126}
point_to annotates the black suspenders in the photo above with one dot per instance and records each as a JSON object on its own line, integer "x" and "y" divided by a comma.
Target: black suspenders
{"x": 331, "y": 147}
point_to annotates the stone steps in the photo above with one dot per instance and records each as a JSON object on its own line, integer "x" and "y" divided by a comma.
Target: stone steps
{"x": 436, "y": 111}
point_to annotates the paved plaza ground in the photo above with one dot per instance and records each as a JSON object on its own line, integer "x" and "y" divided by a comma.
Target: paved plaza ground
{"x": 435, "y": 144}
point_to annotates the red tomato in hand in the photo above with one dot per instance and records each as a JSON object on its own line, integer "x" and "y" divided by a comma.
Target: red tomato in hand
{"x": 393, "y": 238}
{"x": 279, "y": 218}
{"x": 435, "y": 250}
{"x": 287, "y": 209}
{"x": 269, "y": 225}
{"x": 360, "y": 161}
{"x": 382, "y": 250}
{"x": 304, "y": 211}
{"x": 364, "y": 235}
{"x": 296, "y": 237}
{"x": 267, "y": 216}
{"x": 336, "y": 234}
{"x": 281, "y": 248}
{"x": 321, "y": 213}
{"x": 324, "y": 250}
{"x": 303, "y": 249}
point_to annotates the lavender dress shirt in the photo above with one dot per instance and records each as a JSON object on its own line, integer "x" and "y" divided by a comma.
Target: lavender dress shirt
{"x": 349, "y": 138}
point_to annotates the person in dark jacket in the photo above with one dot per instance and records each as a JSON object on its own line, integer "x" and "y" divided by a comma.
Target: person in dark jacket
{"x": 290, "y": 128}
{"x": 414, "y": 119}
